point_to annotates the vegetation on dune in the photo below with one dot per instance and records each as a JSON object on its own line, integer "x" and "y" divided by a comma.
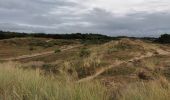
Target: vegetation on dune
{"x": 40, "y": 43}
{"x": 87, "y": 66}
{"x": 122, "y": 70}
{"x": 57, "y": 50}
{"x": 154, "y": 90}
{"x": 127, "y": 69}
{"x": 87, "y": 36}
{"x": 84, "y": 52}
{"x": 18, "y": 84}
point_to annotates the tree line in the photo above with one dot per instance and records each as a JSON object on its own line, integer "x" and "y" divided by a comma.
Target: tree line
{"x": 8, "y": 35}
{"x": 165, "y": 38}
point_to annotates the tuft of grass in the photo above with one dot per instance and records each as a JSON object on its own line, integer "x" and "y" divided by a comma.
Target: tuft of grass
{"x": 18, "y": 84}
{"x": 88, "y": 65}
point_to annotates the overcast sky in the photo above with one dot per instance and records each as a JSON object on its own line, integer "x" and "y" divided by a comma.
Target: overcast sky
{"x": 111, "y": 17}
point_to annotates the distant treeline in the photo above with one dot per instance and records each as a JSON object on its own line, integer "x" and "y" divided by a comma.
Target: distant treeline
{"x": 165, "y": 38}
{"x": 8, "y": 35}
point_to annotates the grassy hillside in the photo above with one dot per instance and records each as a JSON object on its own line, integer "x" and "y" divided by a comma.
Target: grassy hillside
{"x": 59, "y": 69}
{"x": 26, "y": 46}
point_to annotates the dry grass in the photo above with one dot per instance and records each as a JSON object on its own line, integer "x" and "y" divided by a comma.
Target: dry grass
{"x": 153, "y": 90}
{"x": 18, "y": 84}
{"x": 25, "y": 46}
{"x": 29, "y": 84}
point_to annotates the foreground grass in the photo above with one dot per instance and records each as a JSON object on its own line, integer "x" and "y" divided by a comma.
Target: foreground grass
{"x": 154, "y": 90}
{"x": 18, "y": 84}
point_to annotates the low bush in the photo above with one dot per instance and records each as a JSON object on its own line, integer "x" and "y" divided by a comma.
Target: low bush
{"x": 165, "y": 38}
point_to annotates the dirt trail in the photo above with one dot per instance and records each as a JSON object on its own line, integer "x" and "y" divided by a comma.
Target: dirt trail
{"x": 99, "y": 72}
{"x": 37, "y": 54}
{"x": 117, "y": 63}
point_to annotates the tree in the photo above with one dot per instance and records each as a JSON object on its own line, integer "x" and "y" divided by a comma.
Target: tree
{"x": 165, "y": 38}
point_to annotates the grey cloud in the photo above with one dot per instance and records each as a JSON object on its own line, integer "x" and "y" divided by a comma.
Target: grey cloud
{"x": 31, "y": 11}
{"x": 140, "y": 23}
{"x": 58, "y": 16}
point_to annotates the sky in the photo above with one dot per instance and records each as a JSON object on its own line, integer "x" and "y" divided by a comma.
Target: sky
{"x": 109, "y": 17}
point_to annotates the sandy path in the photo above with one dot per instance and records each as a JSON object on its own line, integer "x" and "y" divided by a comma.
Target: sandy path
{"x": 117, "y": 63}
{"x": 37, "y": 54}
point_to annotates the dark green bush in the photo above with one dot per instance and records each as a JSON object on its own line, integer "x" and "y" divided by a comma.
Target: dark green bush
{"x": 165, "y": 38}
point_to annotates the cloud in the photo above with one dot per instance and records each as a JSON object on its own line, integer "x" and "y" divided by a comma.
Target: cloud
{"x": 128, "y": 6}
{"x": 114, "y": 17}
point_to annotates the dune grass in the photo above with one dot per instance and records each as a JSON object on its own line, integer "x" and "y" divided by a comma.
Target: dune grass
{"x": 18, "y": 84}
{"x": 154, "y": 90}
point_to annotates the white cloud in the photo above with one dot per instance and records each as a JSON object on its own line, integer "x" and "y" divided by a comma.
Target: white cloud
{"x": 127, "y": 6}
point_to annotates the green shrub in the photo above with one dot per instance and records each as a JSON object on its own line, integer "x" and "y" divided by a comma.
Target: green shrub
{"x": 57, "y": 50}
{"x": 165, "y": 38}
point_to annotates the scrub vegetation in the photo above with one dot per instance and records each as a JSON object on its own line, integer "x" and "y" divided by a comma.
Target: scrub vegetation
{"x": 83, "y": 67}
